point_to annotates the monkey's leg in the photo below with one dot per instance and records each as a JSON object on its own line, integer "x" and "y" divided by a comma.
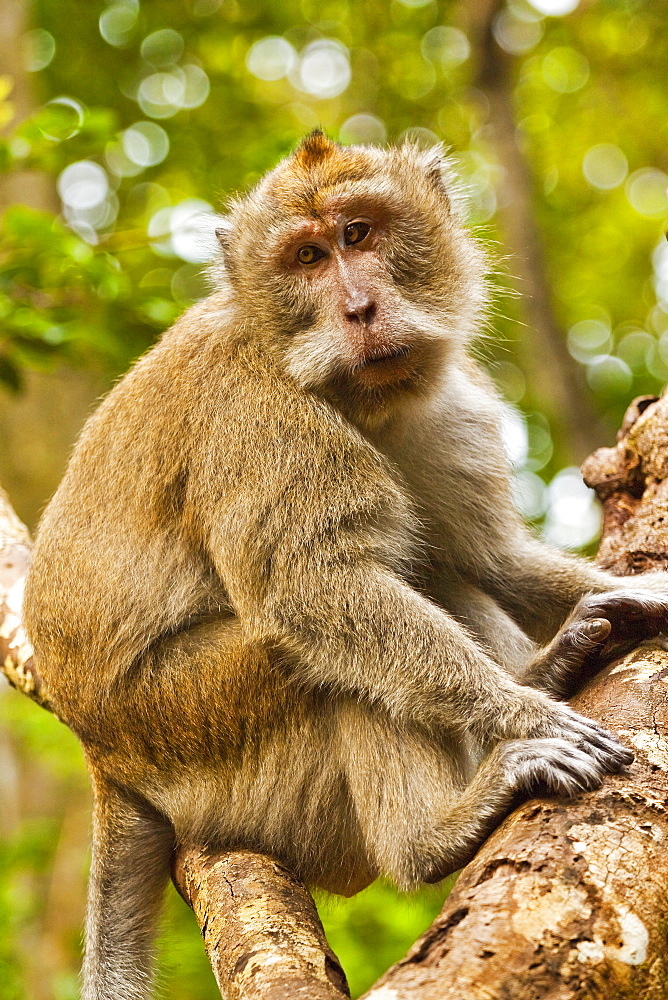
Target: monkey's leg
{"x": 130, "y": 867}
{"x": 424, "y": 809}
{"x": 514, "y": 770}
{"x": 481, "y": 614}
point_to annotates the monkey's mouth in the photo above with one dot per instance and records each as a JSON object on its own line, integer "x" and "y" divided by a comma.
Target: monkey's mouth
{"x": 383, "y": 355}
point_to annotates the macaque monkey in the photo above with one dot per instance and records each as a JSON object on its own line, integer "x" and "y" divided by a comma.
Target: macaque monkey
{"x": 282, "y": 594}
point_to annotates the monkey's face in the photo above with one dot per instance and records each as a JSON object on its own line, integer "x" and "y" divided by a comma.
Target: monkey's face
{"x": 353, "y": 260}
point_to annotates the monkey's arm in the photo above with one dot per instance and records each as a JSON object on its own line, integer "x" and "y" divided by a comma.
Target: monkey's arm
{"x": 352, "y": 624}
{"x": 309, "y": 543}
{"x": 466, "y": 480}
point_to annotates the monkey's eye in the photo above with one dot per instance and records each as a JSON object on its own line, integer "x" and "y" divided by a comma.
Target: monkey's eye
{"x": 310, "y": 253}
{"x": 355, "y": 232}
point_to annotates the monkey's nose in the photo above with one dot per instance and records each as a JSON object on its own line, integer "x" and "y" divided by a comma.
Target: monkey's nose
{"x": 362, "y": 311}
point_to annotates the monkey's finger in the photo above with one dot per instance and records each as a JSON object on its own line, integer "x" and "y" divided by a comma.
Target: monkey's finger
{"x": 560, "y": 767}
{"x": 599, "y": 742}
{"x": 585, "y": 635}
{"x": 604, "y": 747}
{"x": 579, "y": 771}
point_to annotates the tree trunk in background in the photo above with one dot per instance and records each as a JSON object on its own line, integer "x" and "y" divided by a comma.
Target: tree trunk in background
{"x": 556, "y": 380}
{"x": 37, "y": 429}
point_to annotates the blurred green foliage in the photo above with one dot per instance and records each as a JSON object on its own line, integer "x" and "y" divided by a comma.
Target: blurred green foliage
{"x": 146, "y": 114}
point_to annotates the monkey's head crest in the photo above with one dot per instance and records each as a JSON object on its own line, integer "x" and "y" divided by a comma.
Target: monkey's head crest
{"x": 315, "y": 148}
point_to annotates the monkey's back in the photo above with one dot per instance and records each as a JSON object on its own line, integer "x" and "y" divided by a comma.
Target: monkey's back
{"x": 114, "y": 564}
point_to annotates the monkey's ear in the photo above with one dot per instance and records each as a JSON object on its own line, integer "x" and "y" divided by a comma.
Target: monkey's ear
{"x": 435, "y": 164}
{"x": 224, "y": 232}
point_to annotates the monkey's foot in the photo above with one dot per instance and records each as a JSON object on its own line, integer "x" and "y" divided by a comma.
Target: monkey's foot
{"x": 608, "y": 626}
{"x": 602, "y": 628}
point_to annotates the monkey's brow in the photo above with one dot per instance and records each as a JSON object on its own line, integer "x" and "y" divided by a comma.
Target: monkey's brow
{"x": 312, "y": 201}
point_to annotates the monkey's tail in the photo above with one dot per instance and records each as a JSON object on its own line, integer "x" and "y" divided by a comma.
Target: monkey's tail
{"x": 132, "y": 846}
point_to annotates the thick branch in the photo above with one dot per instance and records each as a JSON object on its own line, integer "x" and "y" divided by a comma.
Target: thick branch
{"x": 567, "y": 901}
{"x": 262, "y": 934}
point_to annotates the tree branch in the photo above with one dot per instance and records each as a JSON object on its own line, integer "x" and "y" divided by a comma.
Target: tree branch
{"x": 261, "y": 930}
{"x": 16, "y": 659}
{"x": 567, "y": 900}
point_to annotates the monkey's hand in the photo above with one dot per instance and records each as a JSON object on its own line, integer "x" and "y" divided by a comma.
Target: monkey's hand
{"x": 603, "y": 627}
{"x": 538, "y": 718}
{"x": 552, "y": 766}
{"x": 561, "y": 723}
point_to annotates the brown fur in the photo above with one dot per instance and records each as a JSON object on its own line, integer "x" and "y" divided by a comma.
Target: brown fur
{"x": 282, "y": 594}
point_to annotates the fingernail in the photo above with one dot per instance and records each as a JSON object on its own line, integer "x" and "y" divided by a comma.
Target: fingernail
{"x": 598, "y": 628}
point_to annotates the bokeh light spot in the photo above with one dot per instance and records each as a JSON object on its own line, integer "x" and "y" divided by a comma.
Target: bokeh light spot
{"x": 516, "y": 35}
{"x": 555, "y": 8}
{"x": 162, "y": 48}
{"x": 565, "y": 69}
{"x": 187, "y": 230}
{"x": 161, "y": 95}
{"x": 192, "y": 224}
{"x": 39, "y": 48}
{"x": 445, "y": 45}
{"x": 197, "y": 86}
{"x": 324, "y": 69}
{"x": 60, "y": 119}
{"x": 605, "y": 166}
{"x": 365, "y": 129}
{"x": 83, "y": 184}
{"x": 635, "y": 348}
{"x": 271, "y": 58}
{"x": 646, "y": 190}
{"x": 541, "y": 445}
{"x": 573, "y": 515}
{"x": 118, "y": 21}
{"x": 145, "y": 143}
{"x": 588, "y": 338}
{"x": 660, "y": 265}
{"x": 609, "y": 376}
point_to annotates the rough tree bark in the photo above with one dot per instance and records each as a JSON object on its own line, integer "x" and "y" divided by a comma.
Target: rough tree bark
{"x": 566, "y": 900}
{"x": 262, "y": 934}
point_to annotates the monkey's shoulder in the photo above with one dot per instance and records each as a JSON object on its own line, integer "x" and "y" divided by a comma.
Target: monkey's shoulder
{"x": 207, "y": 411}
